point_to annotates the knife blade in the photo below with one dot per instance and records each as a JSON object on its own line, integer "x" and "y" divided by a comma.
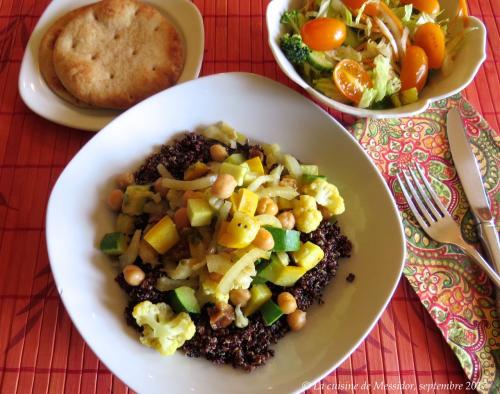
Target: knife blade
{"x": 472, "y": 182}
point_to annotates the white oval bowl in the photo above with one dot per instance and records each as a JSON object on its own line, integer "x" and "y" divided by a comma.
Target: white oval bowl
{"x": 40, "y": 98}
{"x": 77, "y": 218}
{"x": 469, "y": 58}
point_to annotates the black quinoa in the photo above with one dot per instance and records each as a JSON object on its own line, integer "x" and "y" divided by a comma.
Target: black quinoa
{"x": 176, "y": 157}
{"x": 242, "y": 348}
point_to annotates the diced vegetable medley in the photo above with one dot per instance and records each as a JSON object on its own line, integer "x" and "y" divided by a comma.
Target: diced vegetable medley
{"x": 242, "y": 217}
{"x": 371, "y": 53}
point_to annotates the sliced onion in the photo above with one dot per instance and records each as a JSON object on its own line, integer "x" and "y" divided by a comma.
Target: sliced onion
{"x": 162, "y": 170}
{"x": 232, "y": 274}
{"x": 387, "y": 34}
{"x": 268, "y": 220}
{"x": 164, "y": 283}
{"x": 132, "y": 251}
{"x": 287, "y": 192}
{"x": 404, "y": 40}
{"x": 220, "y": 263}
{"x": 259, "y": 182}
{"x": 197, "y": 184}
{"x": 293, "y": 166}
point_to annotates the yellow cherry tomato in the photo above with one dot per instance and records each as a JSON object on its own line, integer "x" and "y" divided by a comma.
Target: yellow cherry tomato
{"x": 351, "y": 79}
{"x": 427, "y": 6}
{"x": 414, "y": 68}
{"x": 430, "y": 38}
{"x": 370, "y": 9}
{"x": 323, "y": 34}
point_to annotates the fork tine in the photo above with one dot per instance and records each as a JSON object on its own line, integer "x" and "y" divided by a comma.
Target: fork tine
{"x": 421, "y": 205}
{"x": 413, "y": 208}
{"x": 431, "y": 191}
{"x": 423, "y": 194}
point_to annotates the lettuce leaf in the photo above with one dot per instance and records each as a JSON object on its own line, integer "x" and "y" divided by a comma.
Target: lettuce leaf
{"x": 385, "y": 82}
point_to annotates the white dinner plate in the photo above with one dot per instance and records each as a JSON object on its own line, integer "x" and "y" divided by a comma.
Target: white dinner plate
{"x": 264, "y": 110}
{"x": 41, "y": 100}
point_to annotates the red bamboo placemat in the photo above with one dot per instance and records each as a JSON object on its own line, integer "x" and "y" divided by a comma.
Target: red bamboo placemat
{"x": 40, "y": 350}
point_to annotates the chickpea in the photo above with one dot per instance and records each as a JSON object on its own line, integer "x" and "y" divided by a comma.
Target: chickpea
{"x": 296, "y": 320}
{"x": 218, "y": 153}
{"x": 264, "y": 239}
{"x": 147, "y": 253}
{"x": 159, "y": 188}
{"x": 181, "y": 219}
{"x": 124, "y": 180}
{"x": 287, "y": 302}
{"x": 115, "y": 200}
{"x": 191, "y": 194}
{"x": 325, "y": 212}
{"x": 215, "y": 276}
{"x": 224, "y": 186}
{"x": 267, "y": 206}
{"x": 287, "y": 220}
{"x": 288, "y": 181}
{"x": 133, "y": 275}
{"x": 239, "y": 297}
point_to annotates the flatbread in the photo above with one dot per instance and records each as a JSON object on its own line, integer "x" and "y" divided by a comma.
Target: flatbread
{"x": 46, "y": 65}
{"x": 118, "y": 52}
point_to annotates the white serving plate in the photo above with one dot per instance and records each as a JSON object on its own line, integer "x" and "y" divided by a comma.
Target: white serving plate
{"x": 41, "y": 100}
{"x": 469, "y": 58}
{"x": 264, "y": 110}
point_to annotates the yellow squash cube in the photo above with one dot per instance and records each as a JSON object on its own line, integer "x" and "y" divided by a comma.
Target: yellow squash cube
{"x": 289, "y": 275}
{"x": 199, "y": 212}
{"x": 255, "y": 165}
{"x": 163, "y": 235}
{"x": 239, "y": 232}
{"x": 309, "y": 255}
{"x": 244, "y": 201}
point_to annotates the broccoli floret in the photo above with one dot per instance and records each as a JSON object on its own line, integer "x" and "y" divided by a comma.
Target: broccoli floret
{"x": 294, "y": 48}
{"x": 294, "y": 19}
{"x": 163, "y": 330}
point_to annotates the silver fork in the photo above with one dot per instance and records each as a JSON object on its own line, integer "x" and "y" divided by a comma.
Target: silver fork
{"x": 434, "y": 218}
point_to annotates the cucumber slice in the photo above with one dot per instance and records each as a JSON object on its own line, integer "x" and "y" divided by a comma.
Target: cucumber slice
{"x": 270, "y": 312}
{"x": 183, "y": 299}
{"x": 319, "y": 61}
{"x": 284, "y": 240}
{"x": 329, "y": 89}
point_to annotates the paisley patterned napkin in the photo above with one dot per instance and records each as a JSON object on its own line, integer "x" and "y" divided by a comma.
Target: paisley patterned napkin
{"x": 456, "y": 293}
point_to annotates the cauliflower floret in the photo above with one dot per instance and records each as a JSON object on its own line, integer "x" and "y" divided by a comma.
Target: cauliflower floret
{"x": 326, "y": 195}
{"x": 244, "y": 279}
{"x": 241, "y": 321}
{"x": 208, "y": 291}
{"x": 163, "y": 330}
{"x": 307, "y": 215}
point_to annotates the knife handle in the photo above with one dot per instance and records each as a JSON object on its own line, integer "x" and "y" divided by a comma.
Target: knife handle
{"x": 489, "y": 239}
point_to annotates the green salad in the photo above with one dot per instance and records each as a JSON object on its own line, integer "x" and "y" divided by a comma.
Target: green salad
{"x": 371, "y": 53}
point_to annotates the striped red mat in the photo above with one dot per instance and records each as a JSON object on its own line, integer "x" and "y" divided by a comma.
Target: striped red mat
{"x": 40, "y": 350}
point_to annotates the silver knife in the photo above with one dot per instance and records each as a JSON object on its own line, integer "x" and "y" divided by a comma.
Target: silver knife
{"x": 470, "y": 177}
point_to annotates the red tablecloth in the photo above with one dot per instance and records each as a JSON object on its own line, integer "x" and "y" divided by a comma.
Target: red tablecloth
{"x": 41, "y": 351}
